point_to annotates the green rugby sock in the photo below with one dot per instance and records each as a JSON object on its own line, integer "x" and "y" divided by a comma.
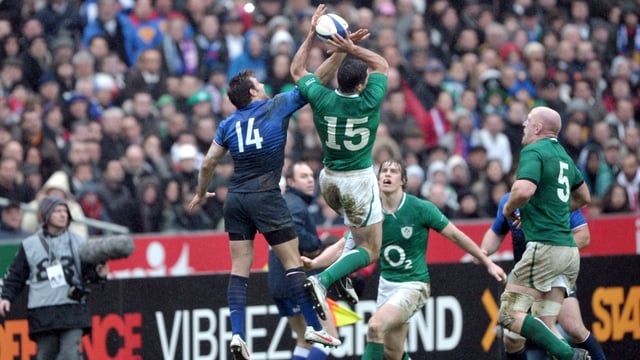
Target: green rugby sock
{"x": 350, "y": 262}
{"x": 536, "y": 331}
{"x": 373, "y": 351}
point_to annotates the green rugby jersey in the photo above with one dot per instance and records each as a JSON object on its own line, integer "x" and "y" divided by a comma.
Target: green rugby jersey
{"x": 405, "y": 236}
{"x": 347, "y": 124}
{"x": 545, "y": 217}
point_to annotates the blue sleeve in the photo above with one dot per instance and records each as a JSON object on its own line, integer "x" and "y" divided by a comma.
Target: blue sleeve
{"x": 500, "y": 224}
{"x": 576, "y": 219}
{"x": 286, "y": 103}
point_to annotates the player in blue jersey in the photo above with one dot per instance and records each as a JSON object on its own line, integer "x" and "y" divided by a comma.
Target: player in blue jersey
{"x": 569, "y": 318}
{"x": 255, "y": 135}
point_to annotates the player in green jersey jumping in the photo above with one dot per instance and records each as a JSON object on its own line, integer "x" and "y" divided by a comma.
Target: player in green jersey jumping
{"x": 405, "y": 284}
{"x": 347, "y": 120}
{"x": 548, "y": 187}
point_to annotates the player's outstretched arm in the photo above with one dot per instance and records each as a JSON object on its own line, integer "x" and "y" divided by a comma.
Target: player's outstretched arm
{"x": 299, "y": 61}
{"x": 491, "y": 242}
{"x": 375, "y": 62}
{"x": 327, "y": 70}
{"x": 327, "y": 257}
{"x": 463, "y": 241}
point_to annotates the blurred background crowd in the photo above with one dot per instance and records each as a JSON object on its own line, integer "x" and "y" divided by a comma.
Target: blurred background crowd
{"x": 112, "y": 104}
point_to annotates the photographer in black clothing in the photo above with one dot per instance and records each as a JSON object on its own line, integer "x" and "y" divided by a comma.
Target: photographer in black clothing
{"x": 49, "y": 260}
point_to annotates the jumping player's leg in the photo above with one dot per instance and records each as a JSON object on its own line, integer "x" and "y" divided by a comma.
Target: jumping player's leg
{"x": 241, "y": 260}
{"x": 355, "y": 195}
{"x": 288, "y": 254}
{"x": 367, "y": 250}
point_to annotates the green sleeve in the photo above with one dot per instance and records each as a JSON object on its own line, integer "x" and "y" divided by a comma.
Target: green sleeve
{"x": 432, "y": 216}
{"x": 529, "y": 166}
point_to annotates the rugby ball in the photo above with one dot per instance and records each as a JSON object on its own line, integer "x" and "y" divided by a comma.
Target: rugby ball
{"x": 331, "y": 24}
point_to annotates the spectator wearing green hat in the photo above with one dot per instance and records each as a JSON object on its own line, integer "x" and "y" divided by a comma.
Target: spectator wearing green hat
{"x": 200, "y": 104}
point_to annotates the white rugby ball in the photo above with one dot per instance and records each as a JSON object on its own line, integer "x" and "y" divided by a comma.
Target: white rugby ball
{"x": 331, "y": 24}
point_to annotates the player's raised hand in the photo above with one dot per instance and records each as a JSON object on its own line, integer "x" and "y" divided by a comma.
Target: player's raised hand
{"x": 342, "y": 44}
{"x": 359, "y": 36}
{"x": 316, "y": 15}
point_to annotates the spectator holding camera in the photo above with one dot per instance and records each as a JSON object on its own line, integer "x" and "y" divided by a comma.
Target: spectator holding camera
{"x": 49, "y": 260}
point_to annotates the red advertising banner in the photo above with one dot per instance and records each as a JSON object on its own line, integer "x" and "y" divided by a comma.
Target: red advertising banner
{"x": 208, "y": 252}
{"x": 186, "y": 317}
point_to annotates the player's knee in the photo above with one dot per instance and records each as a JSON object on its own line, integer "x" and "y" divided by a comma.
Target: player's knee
{"x": 510, "y": 304}
{"x": 375, "y": 329}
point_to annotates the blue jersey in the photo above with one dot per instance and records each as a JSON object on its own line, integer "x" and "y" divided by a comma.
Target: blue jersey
{"x": 502, "y": 226}
{"x": 256, "y": 136}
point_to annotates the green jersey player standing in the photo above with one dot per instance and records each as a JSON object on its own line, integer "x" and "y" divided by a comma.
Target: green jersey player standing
{"x": 404, "y": 285}
{"x": 548, "y": 187}
{"x": 347, "y": 120}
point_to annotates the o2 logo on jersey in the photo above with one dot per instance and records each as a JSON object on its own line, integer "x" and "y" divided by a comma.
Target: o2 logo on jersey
{"x": 396, "y": 257}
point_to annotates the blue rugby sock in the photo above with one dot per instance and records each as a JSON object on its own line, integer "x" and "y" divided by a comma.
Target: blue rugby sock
{"x": 594, "y": 348}
{"x": 237, "y": 298}
{"x": 295, "y": 281}
{"x": 300, "y": 353}
{"x": 317, "y": 353}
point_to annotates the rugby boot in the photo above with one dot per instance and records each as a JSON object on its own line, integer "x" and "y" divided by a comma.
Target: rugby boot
{"x": 239, "y": 349}
{"x": 320, "y": 337}
{"x": 318, "y": 296}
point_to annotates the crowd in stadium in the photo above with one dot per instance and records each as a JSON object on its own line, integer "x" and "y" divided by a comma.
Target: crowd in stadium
{"x": 112, "y": 104}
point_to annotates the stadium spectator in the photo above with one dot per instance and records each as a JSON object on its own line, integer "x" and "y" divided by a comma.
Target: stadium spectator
{"x": 117, "y": 28}
{"x": 146, "y": 75}
{"x": 119, "y": 203}
{"x": 10, "y": 222}
{"x": 179, "y": 50}
{"x": 616, "y": 200}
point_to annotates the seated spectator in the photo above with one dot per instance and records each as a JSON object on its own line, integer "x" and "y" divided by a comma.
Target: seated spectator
{"x": 147, "y": 75}
{"x": 10, "y": 187}
{"x": 119, "y": 203}
{"x": 151, "y": 202}
{"x": 629, "y": 178}
{"x": 117, "y": 28}
{"x": 10, "y": 221}
{"x": 179, "y": 50}
{"x": 615, "y": 200}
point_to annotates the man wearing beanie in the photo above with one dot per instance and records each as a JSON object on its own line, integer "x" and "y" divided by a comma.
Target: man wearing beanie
{"x": 57, "y": 312}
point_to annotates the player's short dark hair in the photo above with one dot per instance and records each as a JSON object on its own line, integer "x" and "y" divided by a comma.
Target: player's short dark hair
{"x": 352, "y": 72}
{"x": 239, "y": 87}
